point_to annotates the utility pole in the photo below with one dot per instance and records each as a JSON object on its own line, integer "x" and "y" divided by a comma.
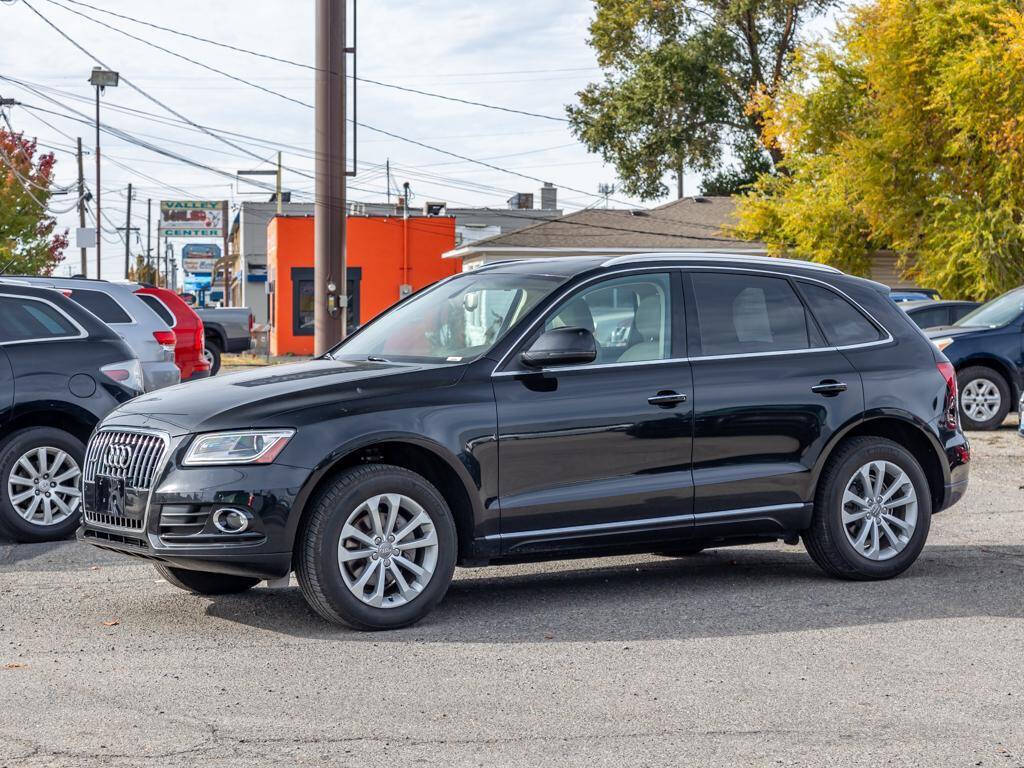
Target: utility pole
{"x": 128, "y": 233}
{"x": 167, "y": 263}
{"x": 276, "y": 173}
{"x": 156, "y": 261}
{"x": 101, "y": 79}
{"x": 149, "y": 234}
{"x": 387, "y": 166}
{"x": 227, "y": 261}
{"x": 81, "y": 206}
{"x": 329, "y": 283}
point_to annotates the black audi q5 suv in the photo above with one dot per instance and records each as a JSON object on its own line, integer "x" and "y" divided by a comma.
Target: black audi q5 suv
{"x": 546, "y": 409}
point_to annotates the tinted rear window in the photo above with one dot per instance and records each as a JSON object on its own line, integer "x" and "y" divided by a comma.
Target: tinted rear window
{"x": 930, "y": 317}
{"x": 24, "y": 319}
{"x": 157, "y": 306}
{"x": 842, "y": 322}
{"x": 101, "y": 305}
{"x": 740, "y": 314}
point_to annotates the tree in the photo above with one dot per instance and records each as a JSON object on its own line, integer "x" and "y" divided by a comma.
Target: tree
{"x": 28, "y": 243}
{"x": 907, "y": 133}
{"x": 679, "y": 78}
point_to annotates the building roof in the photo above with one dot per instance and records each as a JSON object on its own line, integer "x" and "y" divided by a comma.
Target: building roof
{"x": 692, "y": 222}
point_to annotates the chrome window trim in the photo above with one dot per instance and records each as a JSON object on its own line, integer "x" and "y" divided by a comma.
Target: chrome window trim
{"x": 82, "y": 334}
{"x": 615, "y": 525}
{"x": 641, "y": 258}
{"x": 161, "y": 465}
{"x": 495, "y": 372}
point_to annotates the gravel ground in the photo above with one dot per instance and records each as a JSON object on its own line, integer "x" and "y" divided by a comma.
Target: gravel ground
{"x": 744, "y": 656}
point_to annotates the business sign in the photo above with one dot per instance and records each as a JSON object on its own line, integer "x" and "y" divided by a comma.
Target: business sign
{"x": 199, "y": 258}
{"x": 192, "y": 218}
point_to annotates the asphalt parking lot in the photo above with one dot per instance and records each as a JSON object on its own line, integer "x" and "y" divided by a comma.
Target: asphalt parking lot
{"x": 742, "y": 656}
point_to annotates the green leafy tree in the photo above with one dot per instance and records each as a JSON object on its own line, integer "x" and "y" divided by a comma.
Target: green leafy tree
{"x": 679, "y": 78}
{"x": 906, "y": 134}
{"x": 28, "y": 242}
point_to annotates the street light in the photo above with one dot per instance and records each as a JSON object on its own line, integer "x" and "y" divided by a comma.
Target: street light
{"x": 102, "y": 79}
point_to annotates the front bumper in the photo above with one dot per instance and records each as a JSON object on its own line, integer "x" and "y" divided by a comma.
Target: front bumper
{"x": 177, "y": 526}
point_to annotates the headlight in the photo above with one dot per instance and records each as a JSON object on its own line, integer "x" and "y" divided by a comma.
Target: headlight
{"x": 243, "y": 447}
{"x": 942, "y": 343}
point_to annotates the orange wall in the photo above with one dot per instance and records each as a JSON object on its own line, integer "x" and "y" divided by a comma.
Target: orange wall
{"x": 379, "y": 245}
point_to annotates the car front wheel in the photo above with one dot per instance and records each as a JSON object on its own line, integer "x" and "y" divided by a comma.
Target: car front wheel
{"x": 984, "y": 397}
{"x": 872, "y": 511}
{"x": 378, "y": 549}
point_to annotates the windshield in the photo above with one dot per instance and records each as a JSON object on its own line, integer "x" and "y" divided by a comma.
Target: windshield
{"x": 453, "y": 322}
{"x": 995, "y": 313}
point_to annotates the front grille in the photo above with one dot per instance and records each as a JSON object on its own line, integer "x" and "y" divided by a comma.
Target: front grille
{"x": 129, "y": 456}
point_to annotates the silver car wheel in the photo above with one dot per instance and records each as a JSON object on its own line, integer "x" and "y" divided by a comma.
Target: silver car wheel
{"x": 208, "y": 357}
{"x": 980, "y": 399}
{"x": 387, "y": 552}
{"x": 879, "y": 510}
{"x": 43, "y": 486}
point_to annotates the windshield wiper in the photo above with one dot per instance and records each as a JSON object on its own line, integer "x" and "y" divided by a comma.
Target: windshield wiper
{"x": 377, "y": 359}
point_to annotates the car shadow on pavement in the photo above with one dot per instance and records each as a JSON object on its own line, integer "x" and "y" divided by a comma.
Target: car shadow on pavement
{"x": 723, "y": 592}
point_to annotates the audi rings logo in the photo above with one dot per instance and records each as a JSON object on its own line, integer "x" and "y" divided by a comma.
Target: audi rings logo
{"x": 118, "y": 456}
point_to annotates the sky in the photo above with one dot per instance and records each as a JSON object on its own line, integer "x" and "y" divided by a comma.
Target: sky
{"x": 530, "y": 55}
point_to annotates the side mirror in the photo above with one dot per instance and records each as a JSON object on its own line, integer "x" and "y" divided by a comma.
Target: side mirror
{"x": 561, "y": 346}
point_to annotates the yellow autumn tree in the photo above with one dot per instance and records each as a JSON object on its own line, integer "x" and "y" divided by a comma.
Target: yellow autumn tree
{"x": 904, "y": 132}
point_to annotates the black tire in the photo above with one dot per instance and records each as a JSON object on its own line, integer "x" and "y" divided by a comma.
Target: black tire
{"x": 204, "y": 583}
{"x": 214, "y": 352}
{"x": 318, "y": 570}
{"x": 12, "y": 448}
{"x": 980, "y": 372}
{"x": 826, "y": 539}
{"x": 682, "y": 550}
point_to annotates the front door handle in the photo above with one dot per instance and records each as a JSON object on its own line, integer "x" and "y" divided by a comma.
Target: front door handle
{"x": 667, "y": 399}
{"x": 829, "y": 388}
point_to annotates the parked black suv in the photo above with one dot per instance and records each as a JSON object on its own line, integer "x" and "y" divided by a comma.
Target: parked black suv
{"x": 61, "y": 371}
{"x": 547, "y": 409}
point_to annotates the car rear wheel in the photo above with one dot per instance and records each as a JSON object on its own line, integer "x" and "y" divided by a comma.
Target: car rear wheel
{"x": 984, "y": 397}
{"x": 378, "y": 549}
{"x": 40, "y": 484}
{"x": 211, "y": 354}
{"x": 872, "y": 511}
{"x": 204, "y": 583}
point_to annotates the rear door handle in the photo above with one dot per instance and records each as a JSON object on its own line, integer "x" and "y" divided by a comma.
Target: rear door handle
{"x": 829, "y": 388}
{"x": 666, "y": 399}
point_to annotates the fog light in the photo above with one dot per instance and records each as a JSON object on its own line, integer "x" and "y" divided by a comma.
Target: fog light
{"x": 229, "y": 520}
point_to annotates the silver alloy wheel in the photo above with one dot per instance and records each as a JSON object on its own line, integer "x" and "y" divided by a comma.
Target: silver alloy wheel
{"x": 43, "y": 486}
{"x": 879, "y": 510}
{"x": 388, "y": 550}
{"x": 980, "y": 399}
{"x": 208, "y": 357}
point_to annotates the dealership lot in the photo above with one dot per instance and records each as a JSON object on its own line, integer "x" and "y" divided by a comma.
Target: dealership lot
{"x": 742, "y": 656}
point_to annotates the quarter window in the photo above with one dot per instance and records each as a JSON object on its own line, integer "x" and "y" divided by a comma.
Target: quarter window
{"x": 842, "y": 323}
{"x": 27, "y": 319}
{"x": 747, "y": 314}
{"x": 101, "y": 305}
{"x": 157, "y": 306}
{"x": 630, "y": 317}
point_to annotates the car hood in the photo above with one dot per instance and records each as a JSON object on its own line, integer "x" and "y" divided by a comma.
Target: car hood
{"x": 954, "y": 331}
{"x": 281, "y": 395}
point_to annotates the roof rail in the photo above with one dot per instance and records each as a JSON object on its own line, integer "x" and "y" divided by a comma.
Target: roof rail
{"x": 742, "y": 257}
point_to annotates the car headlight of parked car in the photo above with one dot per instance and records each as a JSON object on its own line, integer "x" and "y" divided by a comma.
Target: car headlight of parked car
{"x": 942, "y": 343}
{"x": 240, "y": 447}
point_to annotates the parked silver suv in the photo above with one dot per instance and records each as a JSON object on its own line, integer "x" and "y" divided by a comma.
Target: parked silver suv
{"x": 117, "y": 305}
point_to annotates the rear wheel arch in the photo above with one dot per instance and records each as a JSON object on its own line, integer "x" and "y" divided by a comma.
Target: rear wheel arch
{"x": 905, "y": 431}
{"x": 213, "y": 332}
{"x": 408, "y": 453}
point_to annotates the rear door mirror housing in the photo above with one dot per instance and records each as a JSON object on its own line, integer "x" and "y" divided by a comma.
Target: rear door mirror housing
{"x": 561, "y": 346}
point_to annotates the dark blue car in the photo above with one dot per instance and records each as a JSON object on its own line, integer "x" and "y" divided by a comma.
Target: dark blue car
{"x": 986, "y": 347}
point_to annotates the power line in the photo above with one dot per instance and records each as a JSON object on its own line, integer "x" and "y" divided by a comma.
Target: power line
{"x": 279, "y": 60}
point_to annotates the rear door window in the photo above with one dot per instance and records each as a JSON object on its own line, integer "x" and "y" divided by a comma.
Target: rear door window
{"x": 101, "y": 305}
{"x": 929, "y": 318}
{"x": 25, "y": 319}
{"x": 841, "y": 321}
{"x": 747, "y": 314}
{"x": 157, "y": 306}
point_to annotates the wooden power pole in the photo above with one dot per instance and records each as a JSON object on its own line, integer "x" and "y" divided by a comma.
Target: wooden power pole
{"x": 128, "y": 234}
{"x": 81, "y": 206}
{"x": 329, "y": 283}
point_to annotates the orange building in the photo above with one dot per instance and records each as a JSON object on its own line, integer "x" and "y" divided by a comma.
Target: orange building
{"x": 387, "y": 256}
